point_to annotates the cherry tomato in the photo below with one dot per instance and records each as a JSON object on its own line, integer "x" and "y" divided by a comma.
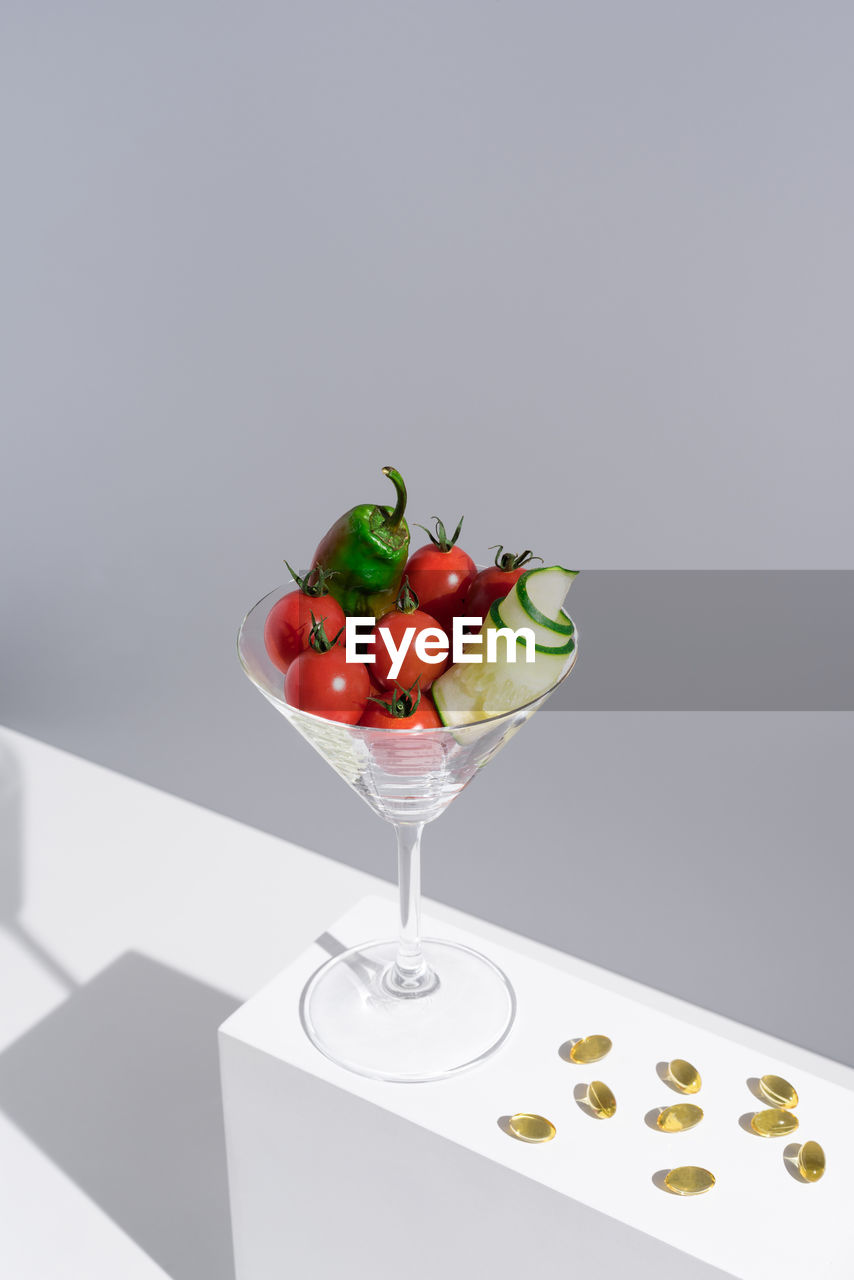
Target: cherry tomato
{"x": 413, "y": 753}
{"x": 404, "y": 616}
{"x": 288, "y": 624}
{"x": 322, "y": 681}
{"x": 495, "y": 582}
{"x": 377, "y": 690}
{"x": 424, "y": 717}
{"x": 440, "y": 574}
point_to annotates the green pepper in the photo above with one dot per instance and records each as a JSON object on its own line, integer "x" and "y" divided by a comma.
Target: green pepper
{"x": 365, "y": 554}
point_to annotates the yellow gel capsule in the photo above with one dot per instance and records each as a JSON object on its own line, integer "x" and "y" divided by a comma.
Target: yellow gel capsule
{"x": 774, "y": 1124}
{"x": 811, "y": 1161}
{"x": 531, "y": 1128}
{"x": 590, "y": 1049}
{"x": 683, "y": 1116}
{"x": 778, "y": 1092}
{"x": 689, "y": 1180}
{"x": 601, "y": 1100}
{"x": 684, "y": 1076}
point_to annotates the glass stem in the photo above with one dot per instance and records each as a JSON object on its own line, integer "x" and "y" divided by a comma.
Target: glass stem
{"x": 410, "y": 975}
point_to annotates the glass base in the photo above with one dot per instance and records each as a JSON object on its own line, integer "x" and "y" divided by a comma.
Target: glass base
{"x": 353, "y": 1016}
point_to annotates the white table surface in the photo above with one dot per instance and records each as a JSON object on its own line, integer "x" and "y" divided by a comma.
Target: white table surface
{"x": 114, "y": 871}
{"x": 614, "y": 1166}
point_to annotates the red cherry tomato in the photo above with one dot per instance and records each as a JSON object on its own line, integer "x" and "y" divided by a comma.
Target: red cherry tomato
{"x": 415, "y": 754}
{"x": 424, "y": 717}
{"x": 440, "y": 574}
{"x": 288, "y": 623}
{"x": 494, "y": 583}
{"x": 404, "y": 616}
{"x": 377, "y": 690}
{"x": 323, "y": 682}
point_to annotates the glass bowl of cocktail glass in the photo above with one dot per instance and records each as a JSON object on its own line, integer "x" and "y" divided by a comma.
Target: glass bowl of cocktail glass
{"x": 405, "y": 1008}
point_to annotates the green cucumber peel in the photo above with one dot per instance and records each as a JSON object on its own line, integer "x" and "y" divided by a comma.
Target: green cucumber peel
{"x": 438, "y": 700}
{"x": 536, "y": 615}
{"x": 561, "y": 651}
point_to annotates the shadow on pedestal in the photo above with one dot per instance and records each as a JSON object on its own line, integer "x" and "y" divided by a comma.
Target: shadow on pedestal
{"x": 119, "y": 1086}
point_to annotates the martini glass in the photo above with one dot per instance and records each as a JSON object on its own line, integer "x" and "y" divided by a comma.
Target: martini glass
{"x": 405, "y": 1008}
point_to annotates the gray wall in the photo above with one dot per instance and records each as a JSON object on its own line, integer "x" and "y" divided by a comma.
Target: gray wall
{"x": 583, "y": 272}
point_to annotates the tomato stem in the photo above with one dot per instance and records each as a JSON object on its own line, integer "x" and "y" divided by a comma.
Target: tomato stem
{"x": 407, "y": 601}
{"x": 401, "y": 705}
{"x": 314, "y": 582}
{"x": 441, "y": 539}
{"x": 508, "y": 561}
{"x": 318, "y": 638}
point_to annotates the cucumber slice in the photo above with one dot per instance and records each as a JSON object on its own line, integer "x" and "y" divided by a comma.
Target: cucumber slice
{"x": 537, "y": 591}
{"x": 545, "y": 640}
{"x": 551, "y": 634}
{"x": 469, "y": 692}
{"x": 541, "y": 592}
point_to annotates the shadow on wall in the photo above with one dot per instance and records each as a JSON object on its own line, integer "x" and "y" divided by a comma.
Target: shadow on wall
{"x": 119, "y": 1085}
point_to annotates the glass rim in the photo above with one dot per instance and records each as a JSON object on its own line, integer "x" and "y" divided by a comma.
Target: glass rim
{"x": 277, "y": 593}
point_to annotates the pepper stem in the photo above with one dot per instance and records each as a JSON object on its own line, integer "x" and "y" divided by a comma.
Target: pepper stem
{"x": 392, "y": 521}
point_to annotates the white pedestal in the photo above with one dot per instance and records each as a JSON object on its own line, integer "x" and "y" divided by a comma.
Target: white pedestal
{"x": 333, "y": 1175}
